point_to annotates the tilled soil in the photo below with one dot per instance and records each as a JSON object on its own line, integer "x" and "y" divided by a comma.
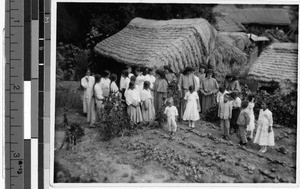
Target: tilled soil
{"x": 192, "y": 155}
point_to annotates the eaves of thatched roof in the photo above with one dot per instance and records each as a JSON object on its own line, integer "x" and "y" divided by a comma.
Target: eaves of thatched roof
{"x": 278, "y": 62}
{"x": 237, "y": 39}
{"x": 263, "y": 16}
{"x": 178, "y": 43}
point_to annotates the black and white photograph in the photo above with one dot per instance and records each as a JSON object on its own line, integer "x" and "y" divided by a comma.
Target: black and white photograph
{"x": 175, "y": 93}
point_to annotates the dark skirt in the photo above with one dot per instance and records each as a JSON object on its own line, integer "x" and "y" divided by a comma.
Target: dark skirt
{"x": 234, "y": 118}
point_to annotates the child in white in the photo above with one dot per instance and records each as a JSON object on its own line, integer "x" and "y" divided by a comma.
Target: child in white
{"x": 192, "y": 108}
{"x": 171, "y": 112}
{"x": 264, "y": 133}
{"x": 220, "y": 95}
{"x": 251, "y": 125}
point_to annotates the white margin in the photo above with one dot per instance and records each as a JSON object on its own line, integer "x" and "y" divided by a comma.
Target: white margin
{"x": 148, "y": 185}
{"x": 2, "y": 94}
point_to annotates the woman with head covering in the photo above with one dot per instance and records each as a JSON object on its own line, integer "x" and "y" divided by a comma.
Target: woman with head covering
{"x": 186, "y": 79}
{"x": 160, "y": 90}
{"x": 208, "y": 88}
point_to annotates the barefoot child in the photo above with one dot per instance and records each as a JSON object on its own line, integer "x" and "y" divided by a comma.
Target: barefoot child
{"x": 264, "y": 133}
{"x": 224, "y": 113}
{"x": 192, "y": 107}
{"x": 251, "y": 125}
{"x": 242, "y": 122}
{"x": 172, "y": 113}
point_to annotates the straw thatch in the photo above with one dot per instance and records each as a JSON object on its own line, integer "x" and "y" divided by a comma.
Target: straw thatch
{"x": 226, "y": 24}
{"x": 178, "y": 43}
{"x": 278, "y": 62}
{"x": 237, "y": 39}
{"x": 265, "y": 16}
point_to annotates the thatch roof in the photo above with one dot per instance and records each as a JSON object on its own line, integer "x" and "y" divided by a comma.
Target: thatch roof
{"x": 226, "y": 24}
{"x": 278, "y": 62}
{"x": 178, "y": 43}
{"x": 265, "y": 16}
{"x": 237, "y": 39}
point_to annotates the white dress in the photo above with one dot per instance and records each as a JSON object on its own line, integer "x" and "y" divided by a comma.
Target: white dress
{"x": 140, "y": 82}
{"x": 114, "y": 88}
{"x": 263, "y": 137}
{"x": 251, "y": 125}
{"x": 191, "y": 112}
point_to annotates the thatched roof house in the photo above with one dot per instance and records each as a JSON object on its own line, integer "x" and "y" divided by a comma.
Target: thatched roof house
{"x": 277, "y": 62}
{"x": 237, "y": 39}
{"x": 263, "y": 16}
{"x": 178, "y": 43}
{"x": 226, "y": 24}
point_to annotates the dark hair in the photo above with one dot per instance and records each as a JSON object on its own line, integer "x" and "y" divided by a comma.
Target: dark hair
{"x": 209, "y": 71}
{"x": 229, "y": 76}
{"x": 106, "y": 73}
{"x": 233, "y": 94}
{"x": 167, "y": 67}
{"x": 187, "y": 69}
{"x": 161, "y": 73}
{"x": 222, "y": 89}
{"x": 131, "y": 85}
{"x": 128, "y": 67}
{"x": 146, "y": 85}
{"x": 125, "y": 73}
{"x": 245, "y": 104}
{"x": 97, "y": 78}
{"x": 250, "y": 97}
{"x": 132, "y": 79}
{"x": 113, "y": 77}
{"x": 138, "y": 70}
{"x": 191, "y": 88}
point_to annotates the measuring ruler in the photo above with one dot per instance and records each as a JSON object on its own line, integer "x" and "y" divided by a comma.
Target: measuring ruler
{"x": 24, "y": 96}
{"x": 14, "y": 90}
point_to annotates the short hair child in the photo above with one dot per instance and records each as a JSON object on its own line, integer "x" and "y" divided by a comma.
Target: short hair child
{"x": 242, "y": 122}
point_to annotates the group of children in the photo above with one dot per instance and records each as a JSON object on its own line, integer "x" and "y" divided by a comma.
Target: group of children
{"x": 239, "y": 115}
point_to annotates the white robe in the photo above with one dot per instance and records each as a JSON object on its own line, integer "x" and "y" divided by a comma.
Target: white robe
{"x": 89, "y": 102}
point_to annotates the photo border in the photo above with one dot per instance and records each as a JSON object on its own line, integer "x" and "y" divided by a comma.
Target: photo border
{"x": 49, "y": 173}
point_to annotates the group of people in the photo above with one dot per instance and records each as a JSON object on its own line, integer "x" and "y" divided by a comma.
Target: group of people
{"x": 146, "y": 91}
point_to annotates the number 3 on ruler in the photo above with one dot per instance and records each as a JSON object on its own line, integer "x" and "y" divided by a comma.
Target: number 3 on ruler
{"x": 46, "y": 20}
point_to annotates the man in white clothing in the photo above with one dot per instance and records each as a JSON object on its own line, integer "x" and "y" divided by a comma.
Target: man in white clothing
{"x": 87, "y": 82}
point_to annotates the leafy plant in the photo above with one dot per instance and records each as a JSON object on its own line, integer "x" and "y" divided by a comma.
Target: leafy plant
{"x": 113, "y": 119}
{"x": 212, "y": 114}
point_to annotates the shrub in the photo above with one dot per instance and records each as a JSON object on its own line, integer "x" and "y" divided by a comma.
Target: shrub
{"x": 212, "y": 114}
{"x": 113, "y": 119}
{"x": 283, "y": 107}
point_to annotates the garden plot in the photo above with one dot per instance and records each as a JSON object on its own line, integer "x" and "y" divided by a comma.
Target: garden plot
{"x": 192, "y": 155}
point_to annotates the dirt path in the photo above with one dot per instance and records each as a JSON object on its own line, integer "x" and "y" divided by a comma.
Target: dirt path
{"x": 198, "y": 155}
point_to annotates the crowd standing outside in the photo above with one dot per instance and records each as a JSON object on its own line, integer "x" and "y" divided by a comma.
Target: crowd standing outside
{"x": 147, "y": 92}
